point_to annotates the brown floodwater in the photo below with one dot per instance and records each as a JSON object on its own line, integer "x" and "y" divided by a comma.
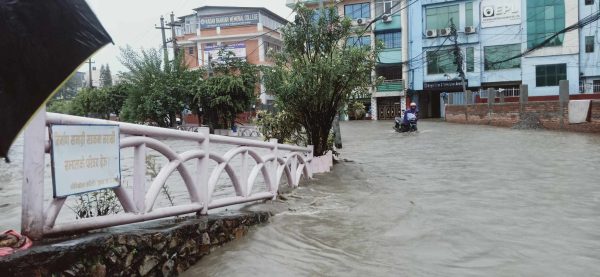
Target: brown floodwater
{"x": 451, "y": 200}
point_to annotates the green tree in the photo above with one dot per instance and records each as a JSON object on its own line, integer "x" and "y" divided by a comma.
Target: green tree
{"x": 105, "y": 76}
{"x": 228, "y": 91}
{"x": 317, "y": 71}
{"x": 156, "y": 94}
{"x": 91, "y": 102}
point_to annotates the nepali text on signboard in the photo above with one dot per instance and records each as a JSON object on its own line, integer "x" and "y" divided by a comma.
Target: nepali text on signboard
{"x": 238, "y": 50}
{"x": 84, "y": 158}
{"x": 445, "y": 85}
{"x": 229, "y": 20}
{"x": 500, "y": 13}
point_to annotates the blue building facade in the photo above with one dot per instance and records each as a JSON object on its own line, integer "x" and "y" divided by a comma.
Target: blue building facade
{"x": 489, "y": 32}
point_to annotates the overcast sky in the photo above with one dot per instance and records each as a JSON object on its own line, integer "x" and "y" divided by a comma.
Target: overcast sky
{"x": 132, "y": 22}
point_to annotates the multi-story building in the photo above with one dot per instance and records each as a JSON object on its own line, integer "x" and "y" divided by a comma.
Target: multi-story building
{"x": 250, "y": 33}
{"x": 385, "y": 100}
{"x": 489, "y": 34}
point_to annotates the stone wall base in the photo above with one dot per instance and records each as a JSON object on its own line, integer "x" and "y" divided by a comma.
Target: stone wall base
{"x": 158, "y": 248}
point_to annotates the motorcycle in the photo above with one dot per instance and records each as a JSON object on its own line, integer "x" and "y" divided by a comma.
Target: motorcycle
{"x": 403, "y": 128}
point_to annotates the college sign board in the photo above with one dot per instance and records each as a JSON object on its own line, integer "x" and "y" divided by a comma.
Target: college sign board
{"x": 228, "y": 20}
{"x": 84, "y": 158}
{"x": 496, "y": 13}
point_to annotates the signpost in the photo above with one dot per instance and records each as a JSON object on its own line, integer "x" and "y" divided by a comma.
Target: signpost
{"x": 85, "y": 158}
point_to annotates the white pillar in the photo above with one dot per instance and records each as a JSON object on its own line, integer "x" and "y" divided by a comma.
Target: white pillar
{"x": 405, "y": 57}
{"x": 32, "y": 197}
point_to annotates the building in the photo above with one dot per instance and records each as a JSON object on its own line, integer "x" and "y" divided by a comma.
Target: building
{"x": 250, "y": 33}
{"x": 489, "y": 34}
{"x": 387, "y": 99}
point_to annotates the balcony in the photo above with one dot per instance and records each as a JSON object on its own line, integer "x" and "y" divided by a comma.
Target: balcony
{"x": 390, "y": 86}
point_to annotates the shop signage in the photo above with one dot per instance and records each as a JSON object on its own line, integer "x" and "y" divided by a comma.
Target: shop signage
{"x": 228, "y": 20}
{"x": 496, "y": 13}
{"x": 445, "y": 85}
{"x": 84, "y": 158}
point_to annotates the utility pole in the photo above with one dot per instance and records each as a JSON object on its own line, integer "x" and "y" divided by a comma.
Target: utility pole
{"x": 164, "y": 40}
{"x": 174, "y": 24}
{"x": 90, "y": 62}
{"x": 405, "y": 57}
{"x": 458, "y": 56}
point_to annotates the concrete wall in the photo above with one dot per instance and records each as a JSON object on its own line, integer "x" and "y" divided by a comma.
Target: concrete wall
{"x": 550, "y": 114}
{"x": 159, "y": 248}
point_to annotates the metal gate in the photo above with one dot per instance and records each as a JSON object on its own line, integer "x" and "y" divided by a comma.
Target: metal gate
{"x": 388, "y": 108}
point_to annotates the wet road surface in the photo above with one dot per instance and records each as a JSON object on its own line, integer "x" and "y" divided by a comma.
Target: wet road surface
{"x": 452, "y": 200}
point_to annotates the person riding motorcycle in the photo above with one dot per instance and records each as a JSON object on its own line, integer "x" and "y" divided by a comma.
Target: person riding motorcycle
{"x": 414, "y": 113}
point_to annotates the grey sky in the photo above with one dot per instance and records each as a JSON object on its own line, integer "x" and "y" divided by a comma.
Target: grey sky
{"x": 131, "y": 22}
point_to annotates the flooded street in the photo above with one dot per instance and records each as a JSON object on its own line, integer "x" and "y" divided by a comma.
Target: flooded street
{"x": 452, "y": 200}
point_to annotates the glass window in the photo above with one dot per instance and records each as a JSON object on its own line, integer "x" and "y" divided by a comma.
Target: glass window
{"x": 387, "y": 7}
{"x": 191, "y": 50}
{"x": 589, "y": 44}
{"x": 468, "y": 14}
{"x": 470, "y": 59}
{"x": 439, "y": 17}
{"x": 361, "y": 41}
{"x": 390, "y": 39}
{"x": 360, "y": 10}
{"x": 589, "y": 2}
{"x": 544, "y": 19}
{"x": 498, "y": 53}
{"x": 440, "y": 62}
{"x": 550, "y": 75}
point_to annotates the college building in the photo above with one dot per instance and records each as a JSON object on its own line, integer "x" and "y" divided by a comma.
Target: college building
{"x": 489, "y": 34}
{"x": 250, "y": 33}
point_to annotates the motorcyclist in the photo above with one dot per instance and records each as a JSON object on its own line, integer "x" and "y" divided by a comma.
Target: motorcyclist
{"x": 413, "y": 110}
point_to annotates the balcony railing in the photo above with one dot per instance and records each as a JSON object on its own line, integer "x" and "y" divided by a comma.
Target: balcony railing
{"x": 391, "y": 85}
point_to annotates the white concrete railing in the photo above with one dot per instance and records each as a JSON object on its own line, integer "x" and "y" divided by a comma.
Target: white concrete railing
{"x": 293, "y": 161}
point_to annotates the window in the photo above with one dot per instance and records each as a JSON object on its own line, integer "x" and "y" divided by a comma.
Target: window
{"x": 439, "y": 17}
{"x": 544, "y": 19}
{"x": 589, "y": 44}
{"x": 440, "y": 62}
{"x": 550, "y": 75}
{"x": 493, "y": 54}
{"x": 361, "y": 41}
{"x": 470, "y": 59}
{"x": 390, "y": 39}
{"x": 191, "y": 50}
{"x": 386, "y": 7}
{"x": 356, "y": 11}
{"x": 468, "y": 14}
{"x": 589, "y": 2}
{"x": 271, "y": 48}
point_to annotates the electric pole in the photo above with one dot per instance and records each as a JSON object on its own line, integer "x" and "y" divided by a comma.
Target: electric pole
{"x": 164, "y": 40}
{"x": 174, "y": 24}
{"x": 90, "y": 62}
{"x": 458, "y": 56}
{"x": 405, "y": 56}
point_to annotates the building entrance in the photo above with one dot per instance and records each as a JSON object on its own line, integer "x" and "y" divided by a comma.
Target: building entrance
{"x": 388, "y": 107}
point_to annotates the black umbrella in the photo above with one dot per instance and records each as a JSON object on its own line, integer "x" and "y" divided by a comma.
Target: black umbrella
{"x": 41, "y": 44}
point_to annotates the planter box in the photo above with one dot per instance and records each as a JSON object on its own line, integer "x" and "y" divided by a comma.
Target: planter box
{"x": 322, "y": 164}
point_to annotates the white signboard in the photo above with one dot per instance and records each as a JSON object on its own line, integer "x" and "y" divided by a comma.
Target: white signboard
{"x": 84, "y": 158}
{"x": 238, "y": 49}
{"x": 496, "y": 13}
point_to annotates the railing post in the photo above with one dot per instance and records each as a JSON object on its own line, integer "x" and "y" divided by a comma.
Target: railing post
{"x": 202, "y": 170}
{"x": 311, "y": 155}
{"x": 32, "y": 210}
{"x": 244, "y": 174}
{"x": 293, "y": 168}
{"x": 274, "y": 167}
{"x": 139, "y": 178}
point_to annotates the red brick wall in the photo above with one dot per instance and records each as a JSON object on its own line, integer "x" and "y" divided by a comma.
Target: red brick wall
{"x": 508, "y": 114}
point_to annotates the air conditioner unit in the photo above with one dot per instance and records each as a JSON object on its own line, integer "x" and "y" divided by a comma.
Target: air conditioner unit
{"x": 387, "y": 18}
{"x": 431, "y": 33}
{"x": 470, "y": 30}
{"x": 360, "y": 21}
{"x": 444, "y": 32}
